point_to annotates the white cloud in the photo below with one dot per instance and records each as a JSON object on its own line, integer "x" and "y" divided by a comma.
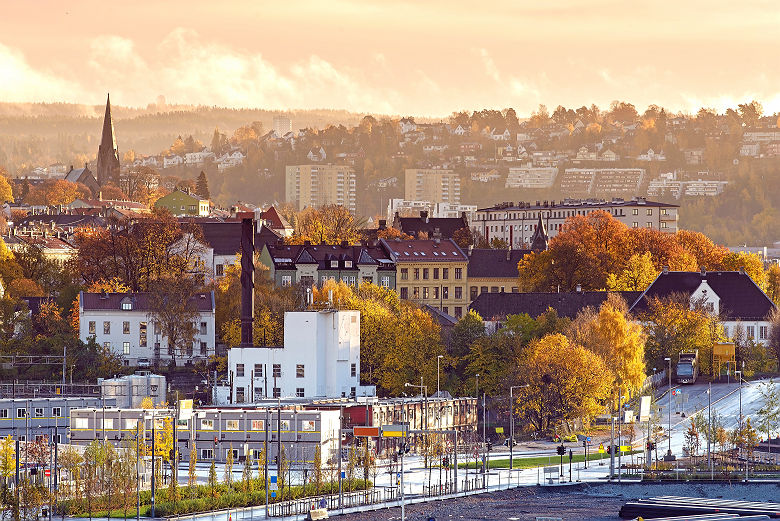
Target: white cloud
{"x": 490, "y": 65}
{"x": 21, "y": 82}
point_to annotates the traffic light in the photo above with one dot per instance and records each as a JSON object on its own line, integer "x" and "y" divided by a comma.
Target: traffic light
{"x": 609, "y": 449}
{"x": 561, "y": 450}
{"x": 489, "y": 446}
{"x": 650, "y": 445}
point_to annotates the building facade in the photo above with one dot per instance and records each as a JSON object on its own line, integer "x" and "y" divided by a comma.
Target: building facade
{"x": 432, "y": 184}
{"x": 125, "y": 324}
{"x": 312, "y": 186}
{"x": 320, "y": 358}
{"x": 29, "y": 418}
{"x": 530, "y": 177}
{"x": 183, "y": 204}
{"x": 516, "y": 223}
{"x": 431, "y": 271}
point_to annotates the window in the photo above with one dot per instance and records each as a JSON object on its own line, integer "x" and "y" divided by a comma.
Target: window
{"x": 80, "y": 423}
{"x": 635, "y": 211}
{"x": 352, "y": 392}
{"x": 206, "y": 453}
{"x": 258, "y": 425}
{"x": 299, "y": 392}
{"x": 126, "y": 348}
{"x": 39, "y": 412}
{"x": 425, "y": 273}
{"x": 404, "y": 293}
{"x": 762, "y": 332}
{"x": 649, "y": 224}
{"x": 277, "y": 371}
{"x": 232, "y": 425}
{"x": 219, "y": 270}
{"x": 308, "y": 425}
{"x": 234, "y": 452}
{"x": 458, "y": 311}
{"x": 157, "y": 328}
{"x": 126, "y": 327}
{"x": 635, "y": 224}
{"x": 446, "y": 310}
{"x": 416, "y": 273}
{"x": 445, "y": 292}
{"x": 106, "y": 327}
{"x": 277, "y": 392}
{"x": 404, "y": 273}
{"x": 726, "y": 331}
{"x": 458, "y": 292}
{"x": 299, "y": 371}
{"x": 334, "y": 264}
{"x": 207, "y": 425}
{"x": 239, "y": 370}
{"x": 56, "y": 412}
{"x": 286, "y": 280}
{"x": 445, "y": 273}
{"x": 203, "y": 349}
{"x": 436, "y": 292}
{"x": 415, "y": 292}
{"x": 353, "y": 370}
{"x": 347, "y": 263}
{"x": 425, "y": 292}
{"x": 142, "y": 334}
{"x": 258, "y": 370}
{"x": 435, "y": 273}
{"x": 483, "y": 289}
{"x": 494, "y": 289}
{"x": 21, "y": 413}
{"x": 107, "y": 345}
{"x": 203, "y": 328}
{"x": 385, "y": 282}
{"x": 127, "y": 305}
{"x": 285, "y": 425}
{"x": 649, "y": 211}
{"x": 751, "y": 332}
{"x": 92, "y": 327}
{"x": 473, "y": 292}
{"x": 458, "y": 273}
{"x": 664, "y": 224}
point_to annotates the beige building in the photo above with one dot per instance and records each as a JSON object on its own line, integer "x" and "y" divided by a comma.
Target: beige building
{"x": 431, "y": 271}
{"x": 432, "y": 184}
{"x": 320, "y": 185}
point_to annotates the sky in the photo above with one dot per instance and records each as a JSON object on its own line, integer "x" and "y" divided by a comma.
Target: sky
{"x": 399, "y": 57}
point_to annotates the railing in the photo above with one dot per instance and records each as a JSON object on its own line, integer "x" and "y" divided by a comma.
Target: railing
{"x": 331, "y": 502}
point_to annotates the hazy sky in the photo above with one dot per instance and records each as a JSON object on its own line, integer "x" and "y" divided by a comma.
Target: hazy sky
{"x": 424, "y": 57}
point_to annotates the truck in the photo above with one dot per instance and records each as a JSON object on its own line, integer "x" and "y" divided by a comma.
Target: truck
{"x": 688, "y": 367}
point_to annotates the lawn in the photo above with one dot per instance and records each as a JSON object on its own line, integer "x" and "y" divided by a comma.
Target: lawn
{"x": 542, "y": 461}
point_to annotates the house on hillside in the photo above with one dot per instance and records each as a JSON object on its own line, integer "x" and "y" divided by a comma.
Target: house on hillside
{"x": 181, "y": 203}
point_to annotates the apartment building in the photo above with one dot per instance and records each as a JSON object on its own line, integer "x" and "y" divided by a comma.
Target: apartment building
{"x": 432, "y": 272}
{"x": 125, "y": 324}
{"x": 319, "y": 185}
{"x": 432, "y": 184}
{"x": 601, "y": 181}
{"x": 34, "y": 417}
{"x": 531, "y": 177}
{"x": 516, "y": 223}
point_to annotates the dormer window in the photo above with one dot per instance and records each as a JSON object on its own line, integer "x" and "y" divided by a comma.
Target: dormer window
{"x": 127, "y": 305}
{"x": 347, "y": 263}
{"x": 334, "y": 264}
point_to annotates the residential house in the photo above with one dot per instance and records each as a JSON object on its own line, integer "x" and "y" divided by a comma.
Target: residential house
{"x": 493, "y": 271}
{"x": 181, "y": 203}
{"x": 125, "y": 324}
{"x": 172, "y": 160}
{"x": 430, "y": 227}
{"x": 83, "y": 176}
{"x": 407, "y": 125}
{"x": 432, "y": 272}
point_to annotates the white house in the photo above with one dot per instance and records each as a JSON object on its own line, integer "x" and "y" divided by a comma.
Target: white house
{"x": 407, "y": 125}
{"x": 320, "y": 359}
{"x": 124, "y": 323}
{"x": 317, "y": 154}
{"x": 172, "y": 160}
{"x": 197, "y": 158}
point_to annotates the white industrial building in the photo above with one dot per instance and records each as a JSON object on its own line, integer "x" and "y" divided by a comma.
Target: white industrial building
{"x": 125, "y": 324}
{"x": 320, "y": 359}
{"x": 130, "y": 390}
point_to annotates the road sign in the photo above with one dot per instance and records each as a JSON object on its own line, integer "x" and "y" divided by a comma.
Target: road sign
{"x": 644, "y": 409}
{"x": 499, "y": 430}
{"x": 366, "y": 431}
{"x": 674, "y": 392}
{"x": 601, "y": 448}
{"x": 273, "y": 493}
{"x": 625, "y": 448}
{"x": 587, "y": 439}
{"x": 273, "y": 484}
{"x": 47, "y": 473}
{"x": 395, "y": 431}
{"x": 343, "y": 474}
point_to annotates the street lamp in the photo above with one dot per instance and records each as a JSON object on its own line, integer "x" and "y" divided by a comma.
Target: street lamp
{"x": 438, "y": 384}
{"x": 669, "y": 454}
{"x": 512, "y": 425}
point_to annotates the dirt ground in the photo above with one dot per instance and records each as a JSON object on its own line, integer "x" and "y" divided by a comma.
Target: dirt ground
{"x": 521, "y": 504}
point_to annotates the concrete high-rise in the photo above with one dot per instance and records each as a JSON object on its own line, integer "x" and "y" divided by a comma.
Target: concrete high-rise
{"x": 320, "y": 185}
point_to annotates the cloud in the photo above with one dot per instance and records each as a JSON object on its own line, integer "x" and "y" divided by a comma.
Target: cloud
{"x": 21, "y": 82}
{"x": 490, "y": 65}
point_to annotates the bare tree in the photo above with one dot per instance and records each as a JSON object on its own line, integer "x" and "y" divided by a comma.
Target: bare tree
{"x": 174, "y": 308}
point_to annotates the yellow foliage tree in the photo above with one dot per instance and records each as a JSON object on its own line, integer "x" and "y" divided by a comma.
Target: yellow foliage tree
{"x": 6, "y": 192}
{"x": 751, "y": 263}
{"x": 637, "y": 276}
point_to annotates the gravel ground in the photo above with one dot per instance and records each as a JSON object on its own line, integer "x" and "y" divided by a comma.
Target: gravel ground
{"x": 599, "y": 502}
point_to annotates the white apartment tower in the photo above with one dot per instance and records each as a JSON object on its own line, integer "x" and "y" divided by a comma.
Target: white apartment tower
{"x": 320, "y": 185}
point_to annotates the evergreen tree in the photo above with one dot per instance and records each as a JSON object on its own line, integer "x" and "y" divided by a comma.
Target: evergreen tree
{"x": 202, "y": 186}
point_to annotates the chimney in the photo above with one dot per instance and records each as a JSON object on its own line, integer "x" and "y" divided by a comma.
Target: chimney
{"x": 665, "y": 270}
{"x": 579, "y": 288}
{"x": 508, "y": 254}
{"x": 307, "y": 243}
{"x": 344, "y": 244}
{"x": 742, "y": 270}
{"x": 703, "y": 271}
{"x": 471, "y": 249}
{"x": 382, "y": 224}
{"x": 424, "y": 216}
{"x": 247, "y": 281}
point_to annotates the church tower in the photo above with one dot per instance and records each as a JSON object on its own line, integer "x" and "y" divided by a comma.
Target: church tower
{"x": 539, "y": 238}
{"x": 108, "y": 154}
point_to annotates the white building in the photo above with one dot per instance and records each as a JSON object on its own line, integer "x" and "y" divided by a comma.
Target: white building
{"x": 282, "y": 125}
{"x": 320, "y": 359}
{"x": 130, "y": 390}
{"x": 451, "y": 210}
{"x": 408, "y": 208}
{"x": 197, "y": 158}
{"x": 124, "y": 323}
{"x": 171, "y": 161}
{"x": 530, "y": 177}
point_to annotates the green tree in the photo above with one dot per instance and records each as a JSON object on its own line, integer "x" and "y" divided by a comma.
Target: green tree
{"x": 213, "y": 478}
{"x": 768, "y": 415}
{"x": 228, "y": 478}
{"x": 202, "y": 186}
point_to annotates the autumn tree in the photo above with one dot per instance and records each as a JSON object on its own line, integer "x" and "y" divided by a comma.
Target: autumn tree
{"x": 330, "y": 224}
{"x": 56, "y": 192}
{"x": 6, "y": 192}
{"x": 140, "y": 183}
{"x": 566, "y": 383}
{"x": 638, "y": 274}
{"x": 173, "y": 304}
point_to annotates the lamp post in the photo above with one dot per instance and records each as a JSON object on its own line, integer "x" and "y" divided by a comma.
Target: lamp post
{"x": 620, "y": 437}
{"x": 512, "y": 425}
{"x": 669, "y": 434}
{"x": 438, "y": 383}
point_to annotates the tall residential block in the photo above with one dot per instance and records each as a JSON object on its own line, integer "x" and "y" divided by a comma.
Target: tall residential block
{"x": 320, "y": 185}
{"x": 432, "y": 184}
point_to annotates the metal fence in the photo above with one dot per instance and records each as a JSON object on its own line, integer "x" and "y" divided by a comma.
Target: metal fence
{"x": 332, "y": 502}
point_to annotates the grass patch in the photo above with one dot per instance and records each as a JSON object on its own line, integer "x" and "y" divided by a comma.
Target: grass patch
{"x": 541, "y": 461}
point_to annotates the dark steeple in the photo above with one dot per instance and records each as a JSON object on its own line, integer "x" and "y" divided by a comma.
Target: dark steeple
{"x": 108, "y": 155}
{"x": 539, "y": 238}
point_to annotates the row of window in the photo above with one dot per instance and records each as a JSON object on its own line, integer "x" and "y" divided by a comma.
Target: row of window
{"x": 257, "y": 425}
{"x": 276, "y": 370}
{"x": 142, "y": 343}
{"x": 346, "y": 279}
{"x": 475, "y": 291}
{"x": 203, "y": 329}
{"x": 427, "y": 272}
{"x": 438, "y": 292}
{"x": 38, "y": 412}
{"x": 635, "y": 224}
{"x": 565, "y": 214}
{"x": 750, "y": 332}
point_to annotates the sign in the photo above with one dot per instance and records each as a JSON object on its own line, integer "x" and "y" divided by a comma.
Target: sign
{"x": 601, "y": 448}
{"x": 674, "y": 392}
{"x": 587, "y": 439}
{"x": 366, "y": 431}
{"x": 644, "y": 409}
{"x": 628, "y": 416}
{"x": 47, "y": 473}
{"x": 343, "y": 475}
{"x": 625, "y": 448}
{"x": 273, "y": 493}
{"x": 185, "y": 409}
{"x": 499, "y": 430}
{"x": 395, "y": 431}
{"x": 273, "y": 484}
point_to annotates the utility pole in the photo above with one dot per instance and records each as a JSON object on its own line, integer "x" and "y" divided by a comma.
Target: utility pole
{"x": 154, "y": 484}
{"x": 669, "y": 434}
{"x": 403, "y": 505}
{"x": 138, "y": 471}
{"x": 612, "y": 450}
{"x": 620, "y": 436}
{"x": 341, "y": 412}
{"x": 438, "y": 382}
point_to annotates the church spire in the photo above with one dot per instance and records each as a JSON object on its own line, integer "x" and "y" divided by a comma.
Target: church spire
{"x": 539, "y": 238}
{"x": 108, "y": 154}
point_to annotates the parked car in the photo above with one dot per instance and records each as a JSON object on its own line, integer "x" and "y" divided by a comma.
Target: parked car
{"x": 144, "y": 362}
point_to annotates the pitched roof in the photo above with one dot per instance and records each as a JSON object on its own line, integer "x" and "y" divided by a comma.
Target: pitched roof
{"x": 424, "y": 250}
{"x": 446, "y": 226}
{"x": 740, "y": 297}
{"x": 75, "y": 174}
{"x": 225, "y": 236}
{"x": 286, "y": 256}
{"x": 497, "y": 306}
{"x": 274, "y": 218}
{"x": 203, "y": 302}
{"x": 485, "y": 262}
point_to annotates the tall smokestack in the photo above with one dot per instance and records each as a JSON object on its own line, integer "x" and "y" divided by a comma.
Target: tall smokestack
{"x": 247, "y": 281}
